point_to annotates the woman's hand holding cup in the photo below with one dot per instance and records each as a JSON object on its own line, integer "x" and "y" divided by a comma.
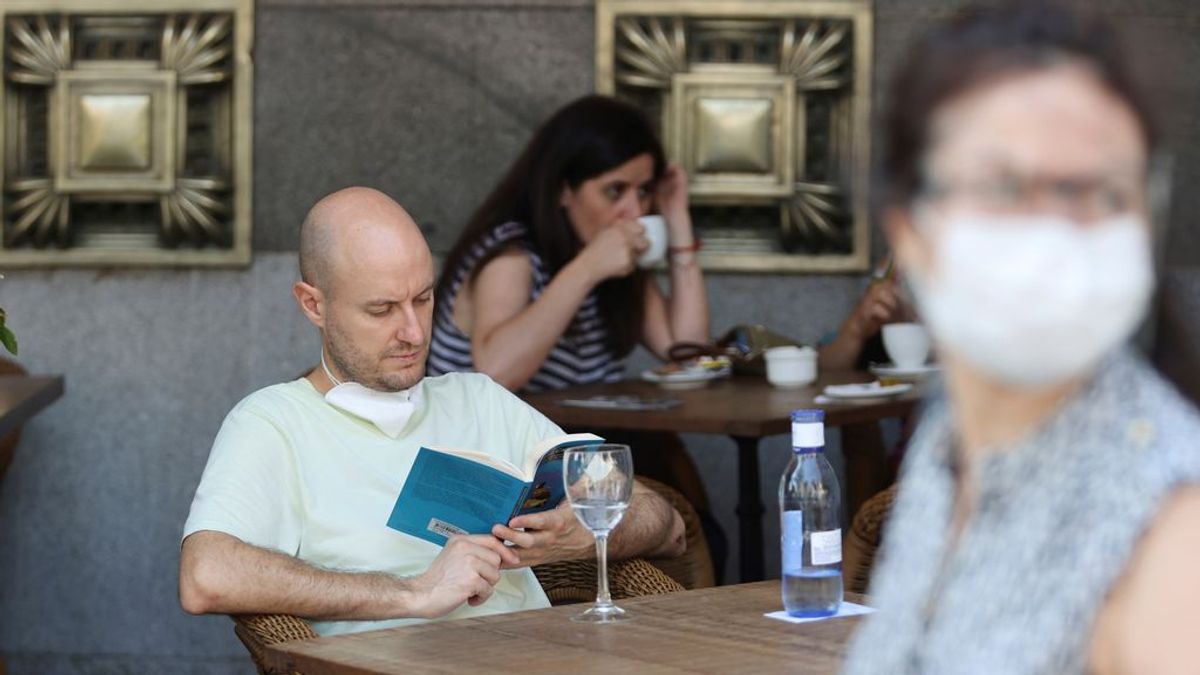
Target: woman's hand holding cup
{"x": 615, "y": 250}
{"x": 654, "y": 229}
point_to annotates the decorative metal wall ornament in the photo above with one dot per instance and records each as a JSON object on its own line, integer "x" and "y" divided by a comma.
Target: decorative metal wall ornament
{"x": 125, "y": 132}
{"x": 766, "y": 104}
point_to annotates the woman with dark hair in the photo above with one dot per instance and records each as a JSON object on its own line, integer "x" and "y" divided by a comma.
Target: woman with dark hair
{"x": 542, "y": 290}
{"x": 1048, "y": 512}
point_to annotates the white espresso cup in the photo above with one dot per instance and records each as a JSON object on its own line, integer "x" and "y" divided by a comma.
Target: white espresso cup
{"x": 791, "y": 367}
{"x": 656, "y": 233}
{"x": 907, "y": 344}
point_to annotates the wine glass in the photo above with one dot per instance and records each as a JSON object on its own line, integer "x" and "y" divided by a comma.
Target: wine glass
{"x": 599, "y": 482}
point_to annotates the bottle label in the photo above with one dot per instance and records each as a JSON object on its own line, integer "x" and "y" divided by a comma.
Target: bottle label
{"x": 792, "y": 543}
{"x": 826, "y": 547}
{"x": 808, "y": 435}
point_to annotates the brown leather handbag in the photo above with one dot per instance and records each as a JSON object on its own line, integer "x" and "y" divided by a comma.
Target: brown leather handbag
{"x": 744, "y": 345}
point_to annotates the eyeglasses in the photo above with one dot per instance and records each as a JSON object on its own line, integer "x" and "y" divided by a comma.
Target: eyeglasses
{"x": 1085, "y": 198}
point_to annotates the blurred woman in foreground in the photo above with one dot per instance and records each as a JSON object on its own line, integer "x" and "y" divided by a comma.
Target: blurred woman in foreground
{"x": 1048, "y": 517}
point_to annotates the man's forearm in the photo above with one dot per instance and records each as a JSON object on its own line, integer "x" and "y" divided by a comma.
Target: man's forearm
{"x": 651, "y": 528}
{"x": 222, "y": 574}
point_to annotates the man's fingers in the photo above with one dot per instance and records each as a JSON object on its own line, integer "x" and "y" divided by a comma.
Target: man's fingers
{"x": 526, "y": 540}
{"x": 491, "y": 575}
{"x": 488, "y": 571}
{"x": 493, "y": 544}
{"x": 487, "y": 541}
{"x": 522, "y": 539}
{"x": 531, "y": 521}
{"x": 507, "y": 554}
{"x": 483, "y": 591}
{"x": 486, "y": 556}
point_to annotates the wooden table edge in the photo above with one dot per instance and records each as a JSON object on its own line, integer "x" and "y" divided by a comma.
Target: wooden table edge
{"x": 26, "y": 409}
{"x": 284, "y": 657}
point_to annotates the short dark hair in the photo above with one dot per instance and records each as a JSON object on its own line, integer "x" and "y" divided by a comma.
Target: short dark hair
{"x": 980, "y": 45}
{"x": 584, "y": 139}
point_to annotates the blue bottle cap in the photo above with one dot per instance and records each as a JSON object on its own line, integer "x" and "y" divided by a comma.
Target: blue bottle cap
{"x": 808, "y": 416}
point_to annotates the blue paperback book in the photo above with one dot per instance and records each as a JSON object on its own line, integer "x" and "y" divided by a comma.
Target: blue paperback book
{"x": 452, "y": 491}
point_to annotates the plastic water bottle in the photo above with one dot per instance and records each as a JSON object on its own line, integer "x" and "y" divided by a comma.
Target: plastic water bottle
{"x": 810, "y": 510}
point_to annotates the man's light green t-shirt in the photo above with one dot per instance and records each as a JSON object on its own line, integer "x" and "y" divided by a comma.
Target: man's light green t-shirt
{"x": 292, "y": 473}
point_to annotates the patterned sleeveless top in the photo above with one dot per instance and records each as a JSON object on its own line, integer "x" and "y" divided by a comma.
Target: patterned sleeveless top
{"x": 1058, "y": 517}
{"x": 581, "y": 355}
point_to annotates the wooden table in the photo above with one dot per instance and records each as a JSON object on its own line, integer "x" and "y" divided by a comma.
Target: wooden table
{"x": 747, "y": 409}
{"x": 713, "y": 630}
{"x": 22, "y": 397}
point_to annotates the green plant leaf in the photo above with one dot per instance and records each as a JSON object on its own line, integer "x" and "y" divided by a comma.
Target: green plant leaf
{"x": 8, "y": 339}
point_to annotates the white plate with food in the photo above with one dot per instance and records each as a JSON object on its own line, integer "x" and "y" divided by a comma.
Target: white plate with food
{"x": 865, "y": 390}
{"x": 689, "y": 375}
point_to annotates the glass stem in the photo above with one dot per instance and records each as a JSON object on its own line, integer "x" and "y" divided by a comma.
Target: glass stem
{"x": 602, "y": 597}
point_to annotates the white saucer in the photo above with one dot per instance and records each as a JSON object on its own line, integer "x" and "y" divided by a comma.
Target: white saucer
{"x": 865, "y": 390}
{"x": 684, "y": 379}
{"x": 894, "y": 371}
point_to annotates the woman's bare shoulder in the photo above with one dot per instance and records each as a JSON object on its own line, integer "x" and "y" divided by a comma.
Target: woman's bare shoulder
{"x": 1148, "y": 623}
{"x": 510, "y": 266}
{"x": 503, "y": 283}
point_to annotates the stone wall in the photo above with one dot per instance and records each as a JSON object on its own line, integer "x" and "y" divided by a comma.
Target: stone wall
{"x": 427, "y": 101}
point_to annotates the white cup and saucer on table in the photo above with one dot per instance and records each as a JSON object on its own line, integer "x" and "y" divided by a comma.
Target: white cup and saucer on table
{"x": 908, "y": 346}
{"x": 656, "y": 233}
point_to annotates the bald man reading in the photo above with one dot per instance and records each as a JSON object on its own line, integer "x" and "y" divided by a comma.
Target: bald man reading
{"x": 290, "y": 515}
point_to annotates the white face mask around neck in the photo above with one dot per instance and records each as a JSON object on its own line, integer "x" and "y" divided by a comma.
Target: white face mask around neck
{"x": 1036, "y": 300}
{"x": 387, "y": 410}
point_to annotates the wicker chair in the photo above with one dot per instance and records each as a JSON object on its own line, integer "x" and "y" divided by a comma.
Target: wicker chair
{"x": 862, "y": 542}
{"x": 564, "y": 582}
{"x": 693, "y": 569}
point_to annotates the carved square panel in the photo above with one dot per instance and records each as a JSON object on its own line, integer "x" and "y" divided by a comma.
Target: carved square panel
{"x": 115, "y": 131}
{"x": 766, "y": 104}
{"x": 126, "y": 132}
{"x": 733, "y": 133}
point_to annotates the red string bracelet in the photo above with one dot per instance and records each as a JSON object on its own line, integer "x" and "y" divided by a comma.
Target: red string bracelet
{"x": 695, "y": 246}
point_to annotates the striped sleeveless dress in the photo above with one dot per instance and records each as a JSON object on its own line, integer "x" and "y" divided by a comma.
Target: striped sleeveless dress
{"x": 581, "y": 355}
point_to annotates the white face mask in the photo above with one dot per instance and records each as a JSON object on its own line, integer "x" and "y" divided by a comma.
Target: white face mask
{"x": 1036, "y": 300}
{"x": 387, "y": 410}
